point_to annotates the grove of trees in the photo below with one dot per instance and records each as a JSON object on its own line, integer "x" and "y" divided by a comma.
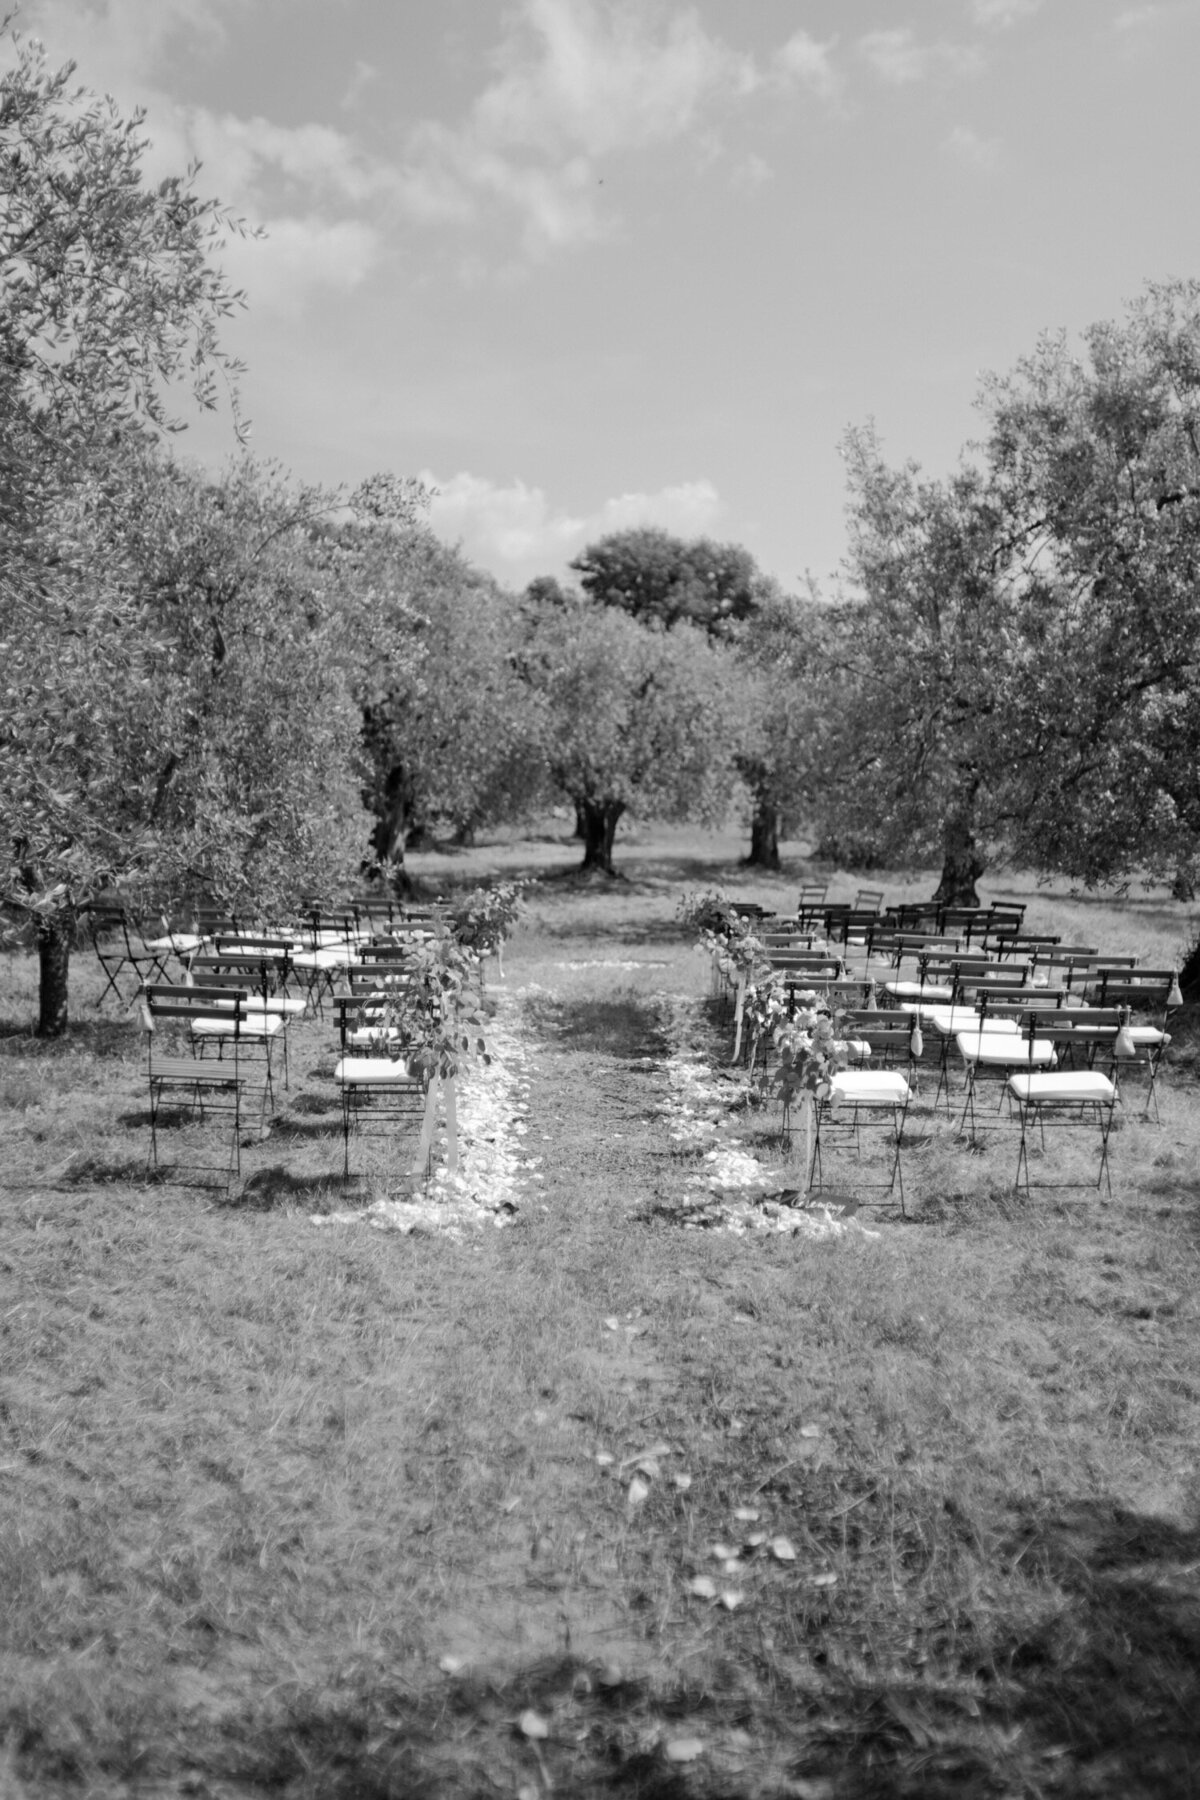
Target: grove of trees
{"x": 236, "y": 686}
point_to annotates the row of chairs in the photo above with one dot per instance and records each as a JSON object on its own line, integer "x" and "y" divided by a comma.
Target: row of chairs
{"x": 211, "y": 1038}
{"x": 1056, "y": 1025}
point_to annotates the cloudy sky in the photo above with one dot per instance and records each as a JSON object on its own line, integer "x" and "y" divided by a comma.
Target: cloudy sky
{"x": 590, "y": 263}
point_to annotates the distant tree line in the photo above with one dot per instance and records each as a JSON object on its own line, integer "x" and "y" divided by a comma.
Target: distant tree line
{"x": 241, "y": 686}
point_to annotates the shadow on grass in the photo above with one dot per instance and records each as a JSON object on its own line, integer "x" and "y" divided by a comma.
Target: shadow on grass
{"x": 96, "y": 1037}
{"x": 277, "y": 1186}
{"x": 627, "y": 1027}
{"x": 1118, "y": 1677}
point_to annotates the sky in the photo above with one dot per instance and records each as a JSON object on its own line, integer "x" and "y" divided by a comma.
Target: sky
{"x": 588, "y": 264}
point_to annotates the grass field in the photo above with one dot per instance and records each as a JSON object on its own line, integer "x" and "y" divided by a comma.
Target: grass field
{"x": 573, "y": 1499}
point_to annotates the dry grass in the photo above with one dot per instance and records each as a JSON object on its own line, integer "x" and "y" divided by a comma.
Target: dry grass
{"x": 259, "y": 1479}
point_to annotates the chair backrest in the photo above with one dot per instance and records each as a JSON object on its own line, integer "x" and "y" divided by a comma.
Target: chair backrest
{"x": 972, "y": 975}
{"x": 215, "y": 1000}
{"x": 813, "y": 893}
{"x": 868, "y": 899}
{"x": 257, "y": 974}
{"x": 1001, "y": 1001}
{"x": 915, "y": 915}
{"x": 1144, "y": 990}
{"x": 964, "y": 919}
{"x": 377, "y": 977}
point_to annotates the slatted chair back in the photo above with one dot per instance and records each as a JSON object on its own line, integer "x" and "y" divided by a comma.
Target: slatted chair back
{"x": 230, "y": 1084}
{"x": 965, "y": 922}
{"x": 998, "y": 999}
{"x": 972, "y": 977}
{"x": 1142, "y": 990}
{"x": 883, "y": 1038}
{"x": 924, "y": 946}
{"x": 389, "y": 950}
{"x": 915, "y": 915}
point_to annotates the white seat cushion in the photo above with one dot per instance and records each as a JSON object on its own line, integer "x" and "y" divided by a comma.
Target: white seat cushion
{"x": 182, "y": 942}
{"x": 869, "y": 1087}
{"x": 1083, "y": 1084}
{"x": 949, "y": 1020}
{"x": 927, "y": 991}
{"x": 253, "y": 1025}
{"x": 333, "y": 956}
{"x": 354, "y": 1070}
{"x": 999, "y": 1049}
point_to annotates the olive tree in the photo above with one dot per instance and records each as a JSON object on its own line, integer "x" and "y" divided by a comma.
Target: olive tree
{"x": 636, "y": 720}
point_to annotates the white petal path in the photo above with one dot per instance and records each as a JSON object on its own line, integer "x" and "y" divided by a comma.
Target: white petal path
{"x": 493, "y": 1166}
{"x": 729, "y": 1190}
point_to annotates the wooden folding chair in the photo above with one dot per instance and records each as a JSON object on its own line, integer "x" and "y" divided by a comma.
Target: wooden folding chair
{"x": 228, "y": 1085}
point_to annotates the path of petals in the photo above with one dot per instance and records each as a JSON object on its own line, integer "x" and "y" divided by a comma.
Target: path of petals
{"x": 493, "y": 1163}
{"x": 731, "y": 1190}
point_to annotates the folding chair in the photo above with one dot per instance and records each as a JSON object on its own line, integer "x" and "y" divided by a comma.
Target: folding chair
{"x": 945, "y": 1023}
{"x": 1063, "y": 1099}
{"x": 228, "y": 1085}
{"x": 987, "y": 1051}
{"x": 869, "y": 1095}
{"x": 373, "y": 1073}
{"x": 868, "y": 899}
{"x": 262, "y": 978}
{"x": 119, "y": 946}
{"x": 1140, "y": 1042}
{"x": 330, "y": 944}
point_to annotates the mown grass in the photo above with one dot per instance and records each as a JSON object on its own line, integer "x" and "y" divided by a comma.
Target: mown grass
{"x": 309, "y": 1510}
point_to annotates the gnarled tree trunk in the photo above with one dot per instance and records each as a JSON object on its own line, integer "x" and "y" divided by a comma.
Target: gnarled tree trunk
{"x": 962, "y": 864}
{"x": 390, "y": 805}
{"x": 599, "y": 819}
{"x": 764, "y": 836}
{"x": 54, "y": 961}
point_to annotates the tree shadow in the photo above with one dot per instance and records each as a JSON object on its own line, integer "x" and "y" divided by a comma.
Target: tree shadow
{"x": 1118, "y": 1678}
{"x": 625, "y": 1028}
{"x": 108, "y": 1038}
{"x": 277, "y": 1186}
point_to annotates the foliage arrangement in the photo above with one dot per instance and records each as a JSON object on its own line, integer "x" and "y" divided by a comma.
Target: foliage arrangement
{"x": 810, "y": 1049}
{"x": 434, "y": 1017}
{"x": 484, "y": 917}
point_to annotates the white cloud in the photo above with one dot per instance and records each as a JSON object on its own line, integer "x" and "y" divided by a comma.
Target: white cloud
{"x": 578, "y": 83}
{"x": 1136, "y": 18}
{"x": 300, "y": 256}
{"x": 513, "y": 530}
{"x": 303, "y": 185}
{"x": 972, "y": 150}
{"x": 897, "y": 57}
{"x": 802, "y": 59}
{"x": 999, "y": 14}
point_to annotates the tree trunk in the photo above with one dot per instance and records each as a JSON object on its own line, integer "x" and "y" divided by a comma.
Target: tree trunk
{"x": 764, "y": 836}
{"x": 387, "y": 835}
{"x": 962, "y": 865}
{"x": 580, "y": 825}
{"x": 54, "y": 960}
{"x": 599, "y": 828}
